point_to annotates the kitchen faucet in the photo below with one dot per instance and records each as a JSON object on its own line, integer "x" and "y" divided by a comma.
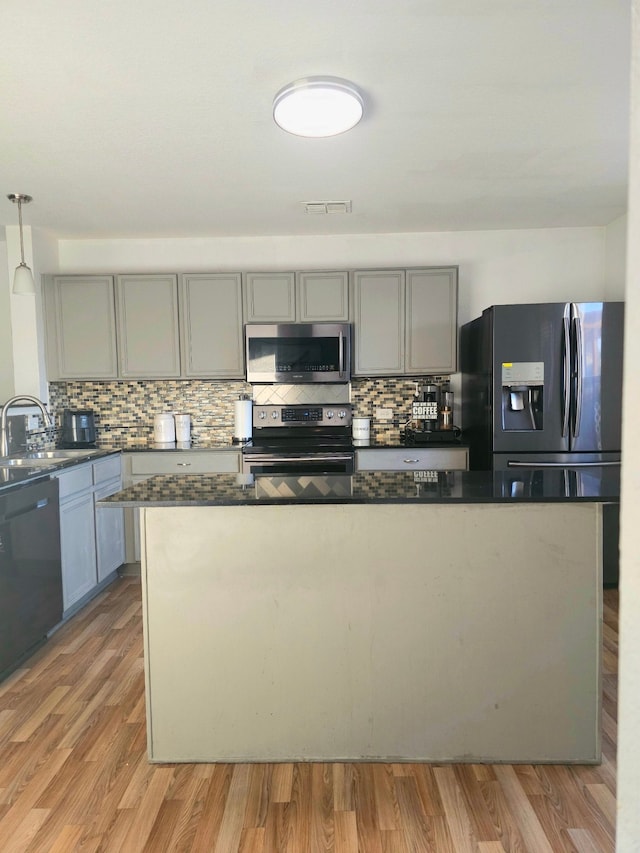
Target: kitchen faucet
{"x": 4, "y": 439}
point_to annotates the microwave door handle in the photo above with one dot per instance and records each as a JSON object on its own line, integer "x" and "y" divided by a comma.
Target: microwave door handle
{"x": 341, "y": 355}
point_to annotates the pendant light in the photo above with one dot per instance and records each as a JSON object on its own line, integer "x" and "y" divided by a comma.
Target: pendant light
{"x": 23, "y": 277}
{"x": 318, "y": 106}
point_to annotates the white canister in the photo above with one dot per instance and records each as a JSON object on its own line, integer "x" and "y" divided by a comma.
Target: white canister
{"x": 361, "y": 429}
{"x": 183, "y": 427}
{"x": 164, "y": 428}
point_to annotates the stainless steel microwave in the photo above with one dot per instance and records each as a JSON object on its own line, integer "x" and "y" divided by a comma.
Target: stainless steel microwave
{"x": 297, "y": 353}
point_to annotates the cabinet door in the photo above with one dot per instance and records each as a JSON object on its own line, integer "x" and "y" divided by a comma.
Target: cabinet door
{"x": 148, "y": 326}
{"x": 379, "y": 322}
{"x": 431, "y": 321}
{"x": 109, "y": 531}
{"x": 78, "y": 547}
{"x": 322, "y": 297}
{"x": 270, "y": 297}
{"x": 80, "y": 327}
{"x": 211, "y": 326}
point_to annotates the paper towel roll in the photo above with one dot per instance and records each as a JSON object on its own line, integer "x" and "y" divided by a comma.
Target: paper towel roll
{"x": 164, "y": 428}
{"x": 243, "y": 419}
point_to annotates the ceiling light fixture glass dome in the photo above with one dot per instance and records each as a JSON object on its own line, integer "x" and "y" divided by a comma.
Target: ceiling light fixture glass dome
{"x": 318, "y": 106}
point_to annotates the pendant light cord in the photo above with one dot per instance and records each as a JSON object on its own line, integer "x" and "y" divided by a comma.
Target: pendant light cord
{"x": 20, "y": 225}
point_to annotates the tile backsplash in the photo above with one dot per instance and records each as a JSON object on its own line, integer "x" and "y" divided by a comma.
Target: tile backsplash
{"x": 124, "y": 410}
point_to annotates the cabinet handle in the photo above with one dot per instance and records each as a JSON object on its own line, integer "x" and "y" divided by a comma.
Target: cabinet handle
{"x": 410, "y": 461}
{"x": 183, "y": 464}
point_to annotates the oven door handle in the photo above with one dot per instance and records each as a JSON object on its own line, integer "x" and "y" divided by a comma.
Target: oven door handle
{"x": 254, "y": 457}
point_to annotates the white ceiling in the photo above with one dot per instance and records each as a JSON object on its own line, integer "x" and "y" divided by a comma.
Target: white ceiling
{"x": 127, "y": 118}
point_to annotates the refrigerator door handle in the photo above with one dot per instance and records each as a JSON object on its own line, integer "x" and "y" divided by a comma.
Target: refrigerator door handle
{"x": 513, "y": 463}
{"x": 566, "y": 375}
{"x": 577, "y": 411}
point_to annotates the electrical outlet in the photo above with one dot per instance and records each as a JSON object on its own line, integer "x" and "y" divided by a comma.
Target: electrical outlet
{"x": 384, "y": 414}
{"x": 32, "y": 422}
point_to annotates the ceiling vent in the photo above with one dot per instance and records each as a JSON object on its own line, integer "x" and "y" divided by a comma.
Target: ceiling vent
{"x": 327, "y": 206}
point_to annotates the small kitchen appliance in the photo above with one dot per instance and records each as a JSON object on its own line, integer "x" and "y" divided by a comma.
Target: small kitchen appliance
{"x": 296, "y": 353}
{"x": 78, "y": 428}
{"x": 431, "y": 417}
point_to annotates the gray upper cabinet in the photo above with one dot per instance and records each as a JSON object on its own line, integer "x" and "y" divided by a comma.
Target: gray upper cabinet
{"x": 322, "y": 297}
{"x": 379, "y": 322}
{"x": 148, "y": 333}
{"x": 431, "y": 340}
{"x": 405, "y": 321}
{"x": 211, "y": 325}
{"x": 80, "y": 327}
{"x": 270, "y": 297}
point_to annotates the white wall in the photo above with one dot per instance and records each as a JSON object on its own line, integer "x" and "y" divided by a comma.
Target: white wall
{"x": 628, "y": 830}
{"x": 22, "y": 352}
{"x": 496, "y": 267}
{"x": 616, "y": 258}
{"x": 6, "y": 339}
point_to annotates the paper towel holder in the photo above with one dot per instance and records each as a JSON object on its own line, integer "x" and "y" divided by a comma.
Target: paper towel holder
{"x": 243, "y": 419}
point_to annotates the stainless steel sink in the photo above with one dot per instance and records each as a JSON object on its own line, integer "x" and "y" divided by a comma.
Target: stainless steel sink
{"x": 44, "y": 458}
{"x": 27, "y": 463}
{"x": 60, "y": 454}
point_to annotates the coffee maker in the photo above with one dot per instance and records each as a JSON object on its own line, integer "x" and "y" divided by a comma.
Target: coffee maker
{"x": 78, "y": 428}
{"x": 431, "y": 416}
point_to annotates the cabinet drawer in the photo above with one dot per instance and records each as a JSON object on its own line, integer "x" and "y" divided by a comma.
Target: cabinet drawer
{"x": 185, "y": 462}
{"x": 413, "y": 459}
{"x": 107, "y": 469}
{"x": 76, "y": 480}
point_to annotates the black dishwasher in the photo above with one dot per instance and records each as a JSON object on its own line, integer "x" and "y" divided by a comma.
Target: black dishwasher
{"x": 30, "y": 569}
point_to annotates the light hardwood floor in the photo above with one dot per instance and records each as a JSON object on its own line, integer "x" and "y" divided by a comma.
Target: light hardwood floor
{"x": 74, "y": 774}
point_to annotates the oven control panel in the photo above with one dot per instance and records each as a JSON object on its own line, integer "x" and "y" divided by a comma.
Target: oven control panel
{"x": 313, "y": 415}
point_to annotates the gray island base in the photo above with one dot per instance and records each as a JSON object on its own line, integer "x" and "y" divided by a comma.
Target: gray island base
{"x": 399, "y": 632}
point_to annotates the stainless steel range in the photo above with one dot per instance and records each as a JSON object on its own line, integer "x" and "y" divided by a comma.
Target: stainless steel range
{"x": 312, "y": 438}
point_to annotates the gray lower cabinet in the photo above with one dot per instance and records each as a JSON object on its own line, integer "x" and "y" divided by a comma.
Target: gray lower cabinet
{"x": 211, "y": 326}
{"x": 144, "y": 464}
{"x": 80, "y": 327}
{"x": 148, "y": 333}
{"x": 77, "y": 535}
{"x": 91, "y": 540}
{"x": 405, "y": 321}
{"x": 412, "y": 459}
{"x": 109, "y": 521}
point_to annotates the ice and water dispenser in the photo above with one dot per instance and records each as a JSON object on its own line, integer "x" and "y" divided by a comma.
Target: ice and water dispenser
{"x": 522, "y": 395}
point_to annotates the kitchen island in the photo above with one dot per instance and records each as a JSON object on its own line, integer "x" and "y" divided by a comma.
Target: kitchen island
{"x": 404, "y": 616}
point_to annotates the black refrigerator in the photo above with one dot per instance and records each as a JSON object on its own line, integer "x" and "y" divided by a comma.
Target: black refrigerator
{"x": 542, "y": 400}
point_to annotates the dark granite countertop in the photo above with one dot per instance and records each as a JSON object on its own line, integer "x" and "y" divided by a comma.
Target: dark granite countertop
{"x": 438, "y": 487}
{"x": 180, "y": 446}
{"x": 19, "y": 475}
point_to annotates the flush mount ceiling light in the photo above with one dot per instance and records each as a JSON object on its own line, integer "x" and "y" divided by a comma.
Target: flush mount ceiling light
{"x": 23, "y": 277}
{"x": 318, "y": 106}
